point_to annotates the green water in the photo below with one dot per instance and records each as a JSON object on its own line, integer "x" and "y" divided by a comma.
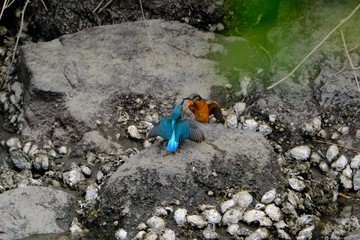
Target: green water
{"x": 278, "y": 34}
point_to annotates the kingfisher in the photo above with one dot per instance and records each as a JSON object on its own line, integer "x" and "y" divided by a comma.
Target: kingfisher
{"x": 202, "y": 109}
{"x": 177, "y": 129}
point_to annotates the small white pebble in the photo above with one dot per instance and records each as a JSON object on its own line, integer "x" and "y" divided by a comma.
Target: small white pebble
{"x": 180, "y": 216}
{"x": 121, "y": 234}
{"x": 63, "y": 150}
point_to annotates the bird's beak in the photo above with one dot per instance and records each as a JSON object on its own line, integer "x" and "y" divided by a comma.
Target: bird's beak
{"x": 190, "y": 102}
{"x": 184, "y": 100}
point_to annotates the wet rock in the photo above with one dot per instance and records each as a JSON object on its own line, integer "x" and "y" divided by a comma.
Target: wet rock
{"x": 34, "y": 210}
{"x": 300, "y": 153}
{"x": 82, "y": 100}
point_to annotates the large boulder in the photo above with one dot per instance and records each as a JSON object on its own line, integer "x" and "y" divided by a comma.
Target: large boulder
{"x": 77, "y": 88}
{"x": 34, "y": 210}
{"x": 229, "y": 158}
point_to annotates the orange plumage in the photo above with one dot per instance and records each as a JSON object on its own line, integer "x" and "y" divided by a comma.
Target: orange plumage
{"x": 202, "y": 110}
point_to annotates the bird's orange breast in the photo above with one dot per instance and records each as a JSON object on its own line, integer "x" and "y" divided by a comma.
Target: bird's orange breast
{"x": 200, "y": 110}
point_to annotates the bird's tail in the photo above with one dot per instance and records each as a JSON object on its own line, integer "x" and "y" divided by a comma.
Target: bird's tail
{"x": 172, "y": 144}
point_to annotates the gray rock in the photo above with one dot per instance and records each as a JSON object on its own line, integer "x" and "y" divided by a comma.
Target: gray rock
{"x": 196, "y": 220}
{"x": 297, "y": 184}
{"x": 306, "y": 233}
{"x": 231, "y": 121}
{"x": 86, "y": 170}
{"x": 356, "y": 180}
{"x": 340, "y": 163}
{"x": 273, "y": 212}
{"x": 168, "y": 235}
{"x": 239, "y": 108}
{"x": 332, "y": 152}
{"x": 232, "y": 216}
{"x": 153, "y": 175}
{"x": 209, "y": 232}
{"x": 233, "y": 229}
{"x": 157, "y": 224}
{"x": 121, "y": 234}
{"x": 133, "y": 132}
{"x": 212, "y": 216}
{"x": 35, "y": 210}
{"x": 355, "y": 162}
{"x": 227, "y": 204}
{"x": 243, "y": 199}
{"x": 19, "y": 160}
{"x": 250, "y": 124}
{"x": 269, "y": 196}
{"x": 82, "y": 100}
{"x": 300, "y": 152}
{"x": 253, "y": 216}
{"x": 265, "y": 129}
{"x": 312, "y": 127}
{"x": 73, "y": 177}
{"x": 180, "y": 216}
{"x": 283, "y": 235}
{"x": 91, "y": 192}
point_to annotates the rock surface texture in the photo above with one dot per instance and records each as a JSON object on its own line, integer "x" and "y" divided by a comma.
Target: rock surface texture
{"x": 59, "y": 18}
{"x": 154, "y": 176}
{"x": 34, "y": 210}
{"x": 77, "y": 86}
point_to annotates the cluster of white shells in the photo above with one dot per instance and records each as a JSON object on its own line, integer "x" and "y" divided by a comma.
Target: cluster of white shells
{"x": 232, "y": 214}
{"x": 235, "y": 119}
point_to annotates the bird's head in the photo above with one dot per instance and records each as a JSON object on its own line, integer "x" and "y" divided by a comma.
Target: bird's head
{"x": 193, "y": 98}
{"x": 177, "y": 112}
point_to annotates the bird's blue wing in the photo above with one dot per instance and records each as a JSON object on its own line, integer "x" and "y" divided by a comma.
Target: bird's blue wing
{"x": 195, "y": 133}
{"x": 163, "y": 129}
{"x": 182, "y": 129}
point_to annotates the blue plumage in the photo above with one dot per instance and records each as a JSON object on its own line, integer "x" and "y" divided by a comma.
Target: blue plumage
{"x": 177, "y": 129}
